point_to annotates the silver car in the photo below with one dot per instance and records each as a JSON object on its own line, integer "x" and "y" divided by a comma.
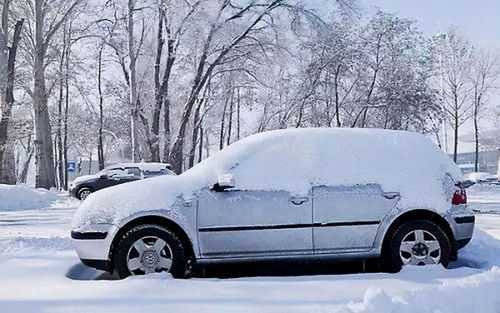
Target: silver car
{"x": 303, "y": 194}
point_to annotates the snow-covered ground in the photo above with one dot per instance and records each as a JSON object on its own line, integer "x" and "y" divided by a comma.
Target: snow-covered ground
{"x": 39, "y": 272}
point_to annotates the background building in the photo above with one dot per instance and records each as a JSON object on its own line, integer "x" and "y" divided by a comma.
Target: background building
{"x": 488, "y": 161}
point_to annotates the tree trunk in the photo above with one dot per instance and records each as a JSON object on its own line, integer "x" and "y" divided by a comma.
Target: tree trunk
{"x": 4, "y": 55}
{"x": 455, "y": 138}
{"x": 230, "y": 122}
{"x": 456, "y": 126}
{"x": 164, "y": 90}
{"x": 200, "y": 146}
{"x": 59, "y": 144}
{"x": 222, "y": 124}
{"x": 100, "y": 145}
{"x": 337, "y": 99}
{"x": 166, "y": 127}
{"x": 90, "y": 163}
{"x": 155, "y": 125}
{"x": 238, "y": 120}
{"x": 26, "y": 164}
{"x": 8, "y": 173}
{"x": 7, "y": 162}
{"x": 194, "y": 138}
{"x": 44, "y": 159}
{"x": 476, "y": 138}
{"x": 65, "y": 121}
{"x": 134, "y": 110}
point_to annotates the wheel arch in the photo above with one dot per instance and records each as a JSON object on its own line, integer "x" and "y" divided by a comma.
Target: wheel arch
{"x": 420, "y": 214}
{"x": 151, "y": 219}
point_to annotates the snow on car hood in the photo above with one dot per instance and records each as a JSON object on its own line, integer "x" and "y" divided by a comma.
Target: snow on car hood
{"x": 112, "y": 205}
{"x": 83, "y": 178}
{"x": 295, "y": 160}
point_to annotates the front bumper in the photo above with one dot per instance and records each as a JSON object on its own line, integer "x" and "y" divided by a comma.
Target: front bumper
{"x": 93, "y": 244}
{"x": 103, "y": 265}
{"x": 72, "y": 191}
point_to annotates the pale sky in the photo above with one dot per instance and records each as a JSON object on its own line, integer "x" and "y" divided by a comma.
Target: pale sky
{"x": 479, "y": 20}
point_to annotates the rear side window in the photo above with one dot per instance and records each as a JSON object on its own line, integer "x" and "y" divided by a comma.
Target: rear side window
{"x": 151, "y": 173}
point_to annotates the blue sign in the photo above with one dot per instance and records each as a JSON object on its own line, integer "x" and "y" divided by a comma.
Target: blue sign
{"x": 71, "y": 167}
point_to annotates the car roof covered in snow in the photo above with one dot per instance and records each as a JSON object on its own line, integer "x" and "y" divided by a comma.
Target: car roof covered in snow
{"x": 296, "y": 159}
{"x": 154, "y": 167}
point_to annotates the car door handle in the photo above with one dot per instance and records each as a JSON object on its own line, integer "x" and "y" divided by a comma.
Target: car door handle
{"x": 391, "y": 195}
{"x": 298, "y": 200}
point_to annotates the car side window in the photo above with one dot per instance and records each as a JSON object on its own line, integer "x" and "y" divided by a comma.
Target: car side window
{"x": 133, "y": 172}
{"x": 115, "y": 172}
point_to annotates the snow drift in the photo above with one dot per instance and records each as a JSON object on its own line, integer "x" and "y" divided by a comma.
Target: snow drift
{"x": 22, "y": 197}
{"x": 295, "y": 160}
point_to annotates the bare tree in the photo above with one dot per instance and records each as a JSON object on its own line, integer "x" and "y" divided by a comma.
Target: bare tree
{"x": 174, "y": 31}
{"x": 227, "y": 13}
{"x": 47, "y": 21}
{"x": 100, "y": 143}
{"x": 456, "y": 60}
{"x": 484, "y": 75}
{"x": 135, "y": 103}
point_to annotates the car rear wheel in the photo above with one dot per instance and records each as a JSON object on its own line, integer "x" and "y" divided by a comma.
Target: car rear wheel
{"x": 417, "y": 243}
{"x": 149, "y": 249}
{"x": 84, "y": 193}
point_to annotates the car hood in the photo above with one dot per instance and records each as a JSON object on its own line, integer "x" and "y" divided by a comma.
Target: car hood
{"x": 84, "y": 178}
{"x": 115, "y": 204}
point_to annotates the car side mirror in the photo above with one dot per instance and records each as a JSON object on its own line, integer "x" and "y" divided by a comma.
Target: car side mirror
{"x": 467, "y": 183}
{"x": 103, "y": 176}
{"x": 224, "y": 181}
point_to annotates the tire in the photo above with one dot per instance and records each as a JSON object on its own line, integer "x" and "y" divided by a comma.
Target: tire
{"x": 404, "y": 239}
{"x": 173, "y": 250}
{"x": 84, "y": 193}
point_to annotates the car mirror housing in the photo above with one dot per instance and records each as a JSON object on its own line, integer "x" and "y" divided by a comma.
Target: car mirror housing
{"x": 224, "y": 181}
{"x": 467, "y": 183}
{"x": 103, "y": 176}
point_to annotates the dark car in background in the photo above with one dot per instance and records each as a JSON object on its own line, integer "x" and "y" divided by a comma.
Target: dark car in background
{"x": 116, "y": 174}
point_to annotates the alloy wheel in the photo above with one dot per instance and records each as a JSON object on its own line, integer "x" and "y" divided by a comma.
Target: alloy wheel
{"x": 419, "y": 247}
{"x": 84, "y": 194}
{"x": 149, "y": 254}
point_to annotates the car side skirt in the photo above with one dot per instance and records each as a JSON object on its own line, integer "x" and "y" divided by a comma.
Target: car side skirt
{"x": 296, "y": 257}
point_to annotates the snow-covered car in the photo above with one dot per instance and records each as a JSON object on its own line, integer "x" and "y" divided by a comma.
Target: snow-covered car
{"x": 481, "y": 177}
{"x": 303, "y": 194}
{"x": 116, "y": 174}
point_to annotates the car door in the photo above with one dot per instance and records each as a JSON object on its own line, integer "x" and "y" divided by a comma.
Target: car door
{"x": 240, "y": 223}
{"x": 346, "y": 218}
{"x": 118, "y": 176}
{"x": 111, "y": 179}
{"x": 131, "y": 174}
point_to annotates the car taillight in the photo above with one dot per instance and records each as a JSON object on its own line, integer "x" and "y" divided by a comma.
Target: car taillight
{"x": 460, "y": 196}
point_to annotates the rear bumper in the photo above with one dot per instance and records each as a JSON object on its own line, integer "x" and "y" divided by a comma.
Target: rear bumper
{"x": 461, "y": 220}
{"x": 462, "y": 243}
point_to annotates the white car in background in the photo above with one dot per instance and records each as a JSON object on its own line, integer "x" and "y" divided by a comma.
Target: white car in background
{"x": 481, "y": 177}
{"x": 303, "y": 194}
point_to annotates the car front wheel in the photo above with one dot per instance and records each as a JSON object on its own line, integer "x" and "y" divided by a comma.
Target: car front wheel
{"x": 84, "y": 193}
{"x": 418, "y": 243}
{"x": 149, "y": 249}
